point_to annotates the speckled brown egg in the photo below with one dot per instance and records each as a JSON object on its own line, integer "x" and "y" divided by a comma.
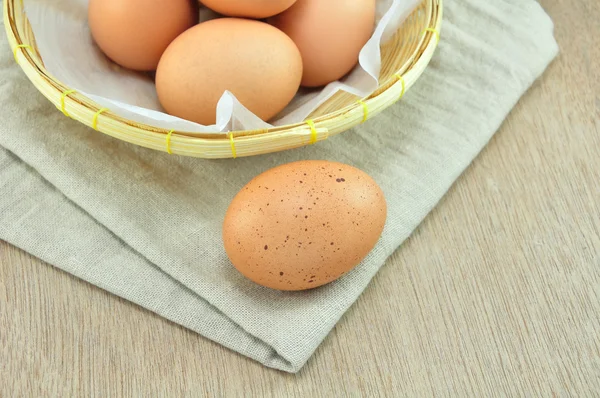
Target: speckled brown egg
{"x": 303, "y": 224}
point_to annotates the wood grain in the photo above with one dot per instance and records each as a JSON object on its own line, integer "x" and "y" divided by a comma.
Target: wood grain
{"x": 496, "y": 294}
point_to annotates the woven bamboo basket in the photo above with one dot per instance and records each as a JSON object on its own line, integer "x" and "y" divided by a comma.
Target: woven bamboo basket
{"x": 404, "y": 58}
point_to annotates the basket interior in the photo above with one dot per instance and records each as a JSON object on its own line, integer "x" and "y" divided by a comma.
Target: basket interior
{"x": 397, "y": 55}
{"x": 405, "y": 54}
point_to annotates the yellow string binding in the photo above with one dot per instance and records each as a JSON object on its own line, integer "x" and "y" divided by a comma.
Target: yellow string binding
{"x": 313, "y": 132}
{"x": 95, "y": 119}
{"x": 64, "y": 95}
{"x": 168, "y": 142}
{"x": 401, "y": 79}
{"x": 436, "y": 32}
{"x": 232, "y": 143}
{"x": 17, "y": 47}
{"x": 365, "y": 110}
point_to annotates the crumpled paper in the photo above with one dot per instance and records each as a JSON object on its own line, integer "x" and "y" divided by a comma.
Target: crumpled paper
{"x": 70, "y": 55}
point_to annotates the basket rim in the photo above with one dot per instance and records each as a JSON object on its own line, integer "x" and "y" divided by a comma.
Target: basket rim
{"x": 230, "y": 144}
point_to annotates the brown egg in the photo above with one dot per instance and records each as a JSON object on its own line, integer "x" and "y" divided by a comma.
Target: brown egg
{"x": 248, "y": 8}
{"x": 303, "y": 224}
{"x": 330, "y": 35}
{"x": 258, "y": 63}
{"x": 135, "y": 33}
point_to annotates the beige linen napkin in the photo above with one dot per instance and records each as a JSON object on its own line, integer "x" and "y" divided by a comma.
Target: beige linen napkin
{"x": 146, "y": 226}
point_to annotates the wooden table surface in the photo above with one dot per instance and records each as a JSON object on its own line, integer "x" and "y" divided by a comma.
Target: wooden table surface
{"x": 504, "y": 274}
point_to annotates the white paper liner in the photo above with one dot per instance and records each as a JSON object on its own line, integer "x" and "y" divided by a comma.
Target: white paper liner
{"x": 70, "y": 55}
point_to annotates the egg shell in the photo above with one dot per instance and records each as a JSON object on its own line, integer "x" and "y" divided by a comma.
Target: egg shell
{"x": 256, "y": 62}
{"x": 248, "y": 8}
{"x": 303, "y": 224}
{"x": 330, "y": 35}
{"x": 135, "y": 33}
